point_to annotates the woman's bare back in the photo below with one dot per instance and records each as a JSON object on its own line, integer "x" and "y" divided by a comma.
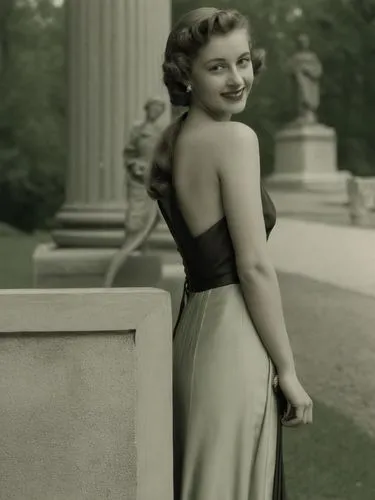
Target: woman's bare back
{"x": 195, "y": 177}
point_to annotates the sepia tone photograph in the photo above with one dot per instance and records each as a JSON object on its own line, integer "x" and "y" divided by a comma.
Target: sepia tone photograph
{"x": 187, "y": 250}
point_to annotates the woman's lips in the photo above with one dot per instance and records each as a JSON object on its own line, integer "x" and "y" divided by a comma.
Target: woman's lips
{"x": 234, "y": 95}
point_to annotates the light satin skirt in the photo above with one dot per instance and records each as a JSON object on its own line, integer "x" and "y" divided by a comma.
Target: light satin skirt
{"x": 225, "y": 409}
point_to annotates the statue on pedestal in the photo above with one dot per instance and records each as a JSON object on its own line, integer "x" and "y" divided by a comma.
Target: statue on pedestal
{"x": 142, "y": 213}
{"x": 306, "y": 71}
{"x": 306, "y": 150}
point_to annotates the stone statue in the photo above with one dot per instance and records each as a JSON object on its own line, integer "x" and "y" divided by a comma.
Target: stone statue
{"x": 137, "y": 156}
{"x": 142, "y": 213}
{"x": 306, "y": 70}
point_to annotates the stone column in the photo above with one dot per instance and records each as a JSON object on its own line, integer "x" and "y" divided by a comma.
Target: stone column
{"x": 114, "y": 55}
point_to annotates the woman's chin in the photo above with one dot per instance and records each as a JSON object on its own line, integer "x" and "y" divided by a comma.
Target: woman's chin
{"x": 225, "y": 110}
{"x": 236, "y": 107}
{"x": 240, "y": 107}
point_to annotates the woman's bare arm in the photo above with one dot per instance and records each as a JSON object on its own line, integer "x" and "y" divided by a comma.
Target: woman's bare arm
{"x": 239, "y": 174}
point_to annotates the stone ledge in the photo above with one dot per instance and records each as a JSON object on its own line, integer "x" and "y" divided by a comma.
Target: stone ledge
{"x": 311, "y": 182}
{"x": 300, "y": 132}
{"x": 75, "y": 267}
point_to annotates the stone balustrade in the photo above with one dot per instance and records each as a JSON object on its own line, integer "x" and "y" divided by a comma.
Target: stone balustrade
{"x": 86, "y": 394}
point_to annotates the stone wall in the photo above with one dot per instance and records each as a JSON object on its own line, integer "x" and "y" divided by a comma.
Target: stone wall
{"x": 86, "y": 394}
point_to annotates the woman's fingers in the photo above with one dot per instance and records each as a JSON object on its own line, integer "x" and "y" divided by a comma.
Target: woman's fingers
{"x": 297, "y": 415}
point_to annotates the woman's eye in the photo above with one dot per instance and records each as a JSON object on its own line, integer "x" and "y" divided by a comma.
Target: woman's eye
{"x": 244, "y": 62}
{"x": 217, "y": 67}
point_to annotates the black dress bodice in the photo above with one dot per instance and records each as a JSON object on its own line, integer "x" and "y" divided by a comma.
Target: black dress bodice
{"x": 209, "y": 258}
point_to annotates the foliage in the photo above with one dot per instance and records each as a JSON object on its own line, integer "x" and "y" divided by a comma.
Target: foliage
{"x": 32, "y": 114}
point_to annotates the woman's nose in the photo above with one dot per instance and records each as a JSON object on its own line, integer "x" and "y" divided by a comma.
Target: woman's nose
{"x": 235, "y": 79}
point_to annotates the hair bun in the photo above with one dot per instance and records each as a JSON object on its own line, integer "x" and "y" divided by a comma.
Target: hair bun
{"x": 173, "y": 80}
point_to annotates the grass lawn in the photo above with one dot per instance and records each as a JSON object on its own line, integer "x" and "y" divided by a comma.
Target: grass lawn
{"x": 16, "y": 251}
{"x": 331, "y": 460}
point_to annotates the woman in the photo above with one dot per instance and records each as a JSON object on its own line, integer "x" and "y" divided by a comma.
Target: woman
{"x": 230, "y": 340}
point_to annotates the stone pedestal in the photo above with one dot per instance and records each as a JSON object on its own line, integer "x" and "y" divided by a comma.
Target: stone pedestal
{"x": 361, "y": 200}
{"x": 306, "y": 157}
{"x": 114, "y": 57}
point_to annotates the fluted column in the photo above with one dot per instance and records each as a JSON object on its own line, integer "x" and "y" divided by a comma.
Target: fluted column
{"x": 114, "y": 55}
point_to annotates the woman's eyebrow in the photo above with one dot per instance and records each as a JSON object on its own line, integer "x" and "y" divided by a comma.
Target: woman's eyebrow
{"x": 247, "y": 53}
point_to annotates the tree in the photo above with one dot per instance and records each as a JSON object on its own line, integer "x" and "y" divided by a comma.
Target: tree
{"x": 32, "y": 115}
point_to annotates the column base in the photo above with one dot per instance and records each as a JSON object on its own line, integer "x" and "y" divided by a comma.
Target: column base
{"x": 77, "y": 226}
{"x": 90, "y": 226}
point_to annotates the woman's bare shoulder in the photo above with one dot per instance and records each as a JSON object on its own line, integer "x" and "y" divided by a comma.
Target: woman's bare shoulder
{"x": 240, "y": 134}
{"x": 234, "y": 130}
{"x": 222, "y": 133}
{"x": 224, "y": 143}
{"x": 232, "y": 138}
{"x": 236, "y": 145}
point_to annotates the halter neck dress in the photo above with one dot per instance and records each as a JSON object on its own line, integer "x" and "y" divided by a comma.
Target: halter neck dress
{"x": 226, "y": 416}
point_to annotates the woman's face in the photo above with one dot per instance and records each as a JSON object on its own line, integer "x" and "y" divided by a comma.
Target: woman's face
{"x": 222, "y": 75}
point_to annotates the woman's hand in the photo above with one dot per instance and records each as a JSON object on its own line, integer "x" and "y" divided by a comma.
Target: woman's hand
{"x": 300, "y": 405}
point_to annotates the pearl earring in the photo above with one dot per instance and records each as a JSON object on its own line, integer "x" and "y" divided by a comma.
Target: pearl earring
{"x": 188, "y": 87}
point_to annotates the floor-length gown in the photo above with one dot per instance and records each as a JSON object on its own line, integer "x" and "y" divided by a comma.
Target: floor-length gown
{"x": 227, "y": 431}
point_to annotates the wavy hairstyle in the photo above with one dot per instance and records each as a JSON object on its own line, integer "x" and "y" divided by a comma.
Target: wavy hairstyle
{"x": 192, "y": 32}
